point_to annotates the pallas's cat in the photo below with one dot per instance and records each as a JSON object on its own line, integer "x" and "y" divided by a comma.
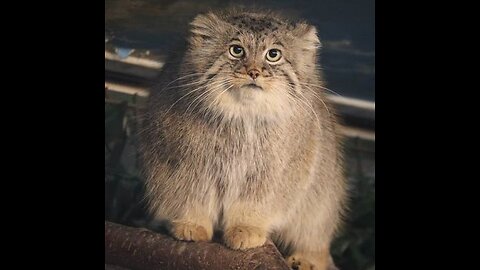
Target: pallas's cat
{"x": 239, "y": 137}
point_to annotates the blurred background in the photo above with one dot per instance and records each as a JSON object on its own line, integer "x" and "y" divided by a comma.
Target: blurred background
{"x": 140, "y": 34}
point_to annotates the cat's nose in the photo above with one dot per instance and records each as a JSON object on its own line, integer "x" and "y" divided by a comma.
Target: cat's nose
{"x": 253, "y": 73}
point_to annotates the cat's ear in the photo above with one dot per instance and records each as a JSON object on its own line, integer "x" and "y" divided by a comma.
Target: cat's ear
{"x": 206, "y": 25}
{"x": 307, "y": 35}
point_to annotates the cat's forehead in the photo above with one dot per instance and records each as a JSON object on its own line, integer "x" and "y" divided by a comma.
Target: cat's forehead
{"x": 255, "y": 23}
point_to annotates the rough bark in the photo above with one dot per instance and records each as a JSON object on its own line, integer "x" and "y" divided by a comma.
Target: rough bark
{"x": 142, "y": 249}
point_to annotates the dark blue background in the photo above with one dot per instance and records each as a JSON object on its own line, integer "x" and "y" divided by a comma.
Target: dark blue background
{"x": 346, "y": 29}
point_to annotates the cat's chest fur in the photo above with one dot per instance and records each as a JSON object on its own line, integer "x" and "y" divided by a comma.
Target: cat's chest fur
{"x": 252, "y": 160}
{"x": 239, "y": 154}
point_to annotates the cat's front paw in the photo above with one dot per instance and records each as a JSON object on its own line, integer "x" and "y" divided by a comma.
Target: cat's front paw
{"x": 317, "y": 262}
{"x": 299, "y": 263}
{"x": 187, "y": 231}
{"x": 244, "y": 237}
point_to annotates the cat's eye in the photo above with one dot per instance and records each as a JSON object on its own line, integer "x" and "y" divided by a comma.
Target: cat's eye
{"x": 236, "y": 51}
{"x": 274, "y": 55}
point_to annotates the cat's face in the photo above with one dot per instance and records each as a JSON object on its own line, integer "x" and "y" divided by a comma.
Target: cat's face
{"x": 251, "y": 61}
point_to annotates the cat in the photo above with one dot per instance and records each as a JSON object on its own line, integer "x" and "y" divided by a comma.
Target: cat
{"x": 240, "y": 137}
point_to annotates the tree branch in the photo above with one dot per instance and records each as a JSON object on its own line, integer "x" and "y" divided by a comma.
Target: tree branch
{"x": 142, "y": 249}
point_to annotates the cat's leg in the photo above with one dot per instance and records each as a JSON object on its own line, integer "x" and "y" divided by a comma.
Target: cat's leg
{"x": 190, "y": 218}
{"x": 259, "y": 206}
{"x": 195, "y": 224}
{"x": 308, "y": 260}
{"x": 307, "y": 253}
{"x": 308, "y": 234}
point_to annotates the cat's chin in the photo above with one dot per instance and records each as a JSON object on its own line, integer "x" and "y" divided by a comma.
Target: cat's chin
{"x": 251, "y": 86}
{"x": 246, "y": 93}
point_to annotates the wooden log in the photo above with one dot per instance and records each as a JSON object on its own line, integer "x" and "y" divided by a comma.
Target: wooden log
{"x": 142, "y": 249}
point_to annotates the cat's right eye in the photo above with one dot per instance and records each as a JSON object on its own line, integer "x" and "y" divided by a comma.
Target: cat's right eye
{"x": 236, "y": 51}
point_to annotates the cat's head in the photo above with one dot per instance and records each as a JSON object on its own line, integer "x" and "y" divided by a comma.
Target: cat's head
{"x": 253, "y": 62}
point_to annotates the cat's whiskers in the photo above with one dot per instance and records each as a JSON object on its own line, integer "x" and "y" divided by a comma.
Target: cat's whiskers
{"x": 188, "y": 93}
{"x": 191, "y": 92}
{"x": 183, "y": 77}
{"x": 304, "y": 101}
{"x": 199, "y": 80}
{"x": 320, "y": 86}
{"x": 229, "y": 85}
{"x": 219, "y": 95}
{"x": 205, "y": 94}
{"x": 319, "y": 98}
{"x": 184, "y": 85}
{"x": 293, "y": 99}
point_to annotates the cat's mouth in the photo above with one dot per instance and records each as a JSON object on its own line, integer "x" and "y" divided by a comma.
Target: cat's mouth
{"x": 252, "y": 86}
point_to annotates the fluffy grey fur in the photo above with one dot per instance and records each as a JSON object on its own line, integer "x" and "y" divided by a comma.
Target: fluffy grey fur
{"x": 255, "y": 158}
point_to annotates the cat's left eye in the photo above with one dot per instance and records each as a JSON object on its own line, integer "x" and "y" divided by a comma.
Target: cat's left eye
{"x": 274, "y": 55}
